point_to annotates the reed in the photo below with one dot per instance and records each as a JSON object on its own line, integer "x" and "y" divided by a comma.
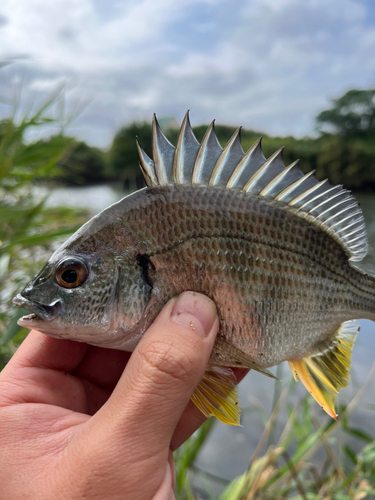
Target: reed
{"x": 305, "y": 461}
{"x": 28, "y": 231}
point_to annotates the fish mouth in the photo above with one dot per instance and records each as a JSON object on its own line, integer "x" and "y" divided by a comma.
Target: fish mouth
{"x": 39, "y": 312}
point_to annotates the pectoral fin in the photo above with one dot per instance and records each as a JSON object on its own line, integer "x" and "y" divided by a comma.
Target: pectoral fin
{"x": 325, "y": 373}
{"x": 217, "y": 395}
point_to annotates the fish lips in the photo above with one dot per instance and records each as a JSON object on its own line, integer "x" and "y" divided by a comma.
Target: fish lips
{"x": 39, "y": 312}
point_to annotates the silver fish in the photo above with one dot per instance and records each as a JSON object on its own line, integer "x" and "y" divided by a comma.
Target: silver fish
{"x": 274, "y": 249}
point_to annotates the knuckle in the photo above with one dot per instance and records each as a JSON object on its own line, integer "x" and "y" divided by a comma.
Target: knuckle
{"x": 163, "y": 360}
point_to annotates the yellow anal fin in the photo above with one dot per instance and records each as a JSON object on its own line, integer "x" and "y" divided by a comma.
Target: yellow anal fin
{"x": 217, "y": 395}
{"x": 325, "y": 373}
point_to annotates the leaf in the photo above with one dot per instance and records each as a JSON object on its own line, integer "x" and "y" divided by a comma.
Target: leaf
{"x": 36, "y": 239}
{"x": 350, "y": 453}
{"x": 360, "y": 434}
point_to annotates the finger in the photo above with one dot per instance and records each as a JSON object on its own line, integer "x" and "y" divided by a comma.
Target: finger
{"x": 102, "y": 367}
{"x": 40, "y": 351}
{"x": 38, "y": 373}
{"x": 189, "y": 422}
{"x": 192, "y": 418}
{"x": 162, "y": 373}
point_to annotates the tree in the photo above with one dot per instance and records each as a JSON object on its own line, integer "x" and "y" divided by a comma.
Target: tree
{"x": 123, "y": 155}
{"x": 352, "y": 115}
{"x": 83, "y": 165}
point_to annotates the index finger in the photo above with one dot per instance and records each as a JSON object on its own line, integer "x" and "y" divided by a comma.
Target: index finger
{"x": 40, "y": 351}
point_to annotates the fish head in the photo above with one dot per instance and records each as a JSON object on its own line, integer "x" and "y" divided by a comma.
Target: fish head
{"x": 96, "y": 297}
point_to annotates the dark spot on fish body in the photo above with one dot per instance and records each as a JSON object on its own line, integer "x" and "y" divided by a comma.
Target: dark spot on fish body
{"x": 148, "y": 268}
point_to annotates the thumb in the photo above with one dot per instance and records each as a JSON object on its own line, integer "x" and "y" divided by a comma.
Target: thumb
{"x": 163, "y": 372}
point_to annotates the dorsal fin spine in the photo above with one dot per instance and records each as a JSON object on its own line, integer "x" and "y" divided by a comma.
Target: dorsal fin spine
{"x": 185, "y": 153}
{"x": 243, "y": 163}
{"x": 163, "y": 152}
{"x": 318, "y": 196}
{"x": 327, "y": 200}
{"x": 357, "y": 212}
{"x": 277, "y": 179}
{"x": 347, "y": 198}
{"x": 200, "y": 175}
{"x": 178, "y": 159}
{"x": 338, "y": 213}
{"x": 301, "y": 196}
{"x": 357, "y": 237}
{"x": 293, "y": 186}
{"x": 236, "y": 138}
{"x": 147, "y": 166}
{"x": 262, "y": 169}
{"x": 356, "y": 246}
{"x": 362, "y": 227}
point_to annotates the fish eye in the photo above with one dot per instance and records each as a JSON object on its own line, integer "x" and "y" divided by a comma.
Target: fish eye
{"x": 71, "y": 273}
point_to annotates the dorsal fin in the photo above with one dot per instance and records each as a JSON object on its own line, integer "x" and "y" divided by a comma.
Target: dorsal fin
{"x": 249, "y": 164}
{"x": 207, "y": 156}
{"x": 331, "y": 208}
{"x": 163, "y": 152}
{"x": 147, "y": 166}
{"x": 265, "y": 173}
{"x": 185, "y": 154}
{"x": 228, "y": 160}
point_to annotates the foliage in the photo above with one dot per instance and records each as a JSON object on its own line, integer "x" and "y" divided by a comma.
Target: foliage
{"x": 343, "y": 157}
{"x": 289, "y": 468}
{"x": 123, "y": 155}
{"x": 82, "y": 164}
{"x": 346, "y": 156}
{"x": 352, "y": 115}
{"x": 28, "y": 231}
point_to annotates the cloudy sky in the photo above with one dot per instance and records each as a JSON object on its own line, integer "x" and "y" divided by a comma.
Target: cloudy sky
{"x": 270, "y": 65}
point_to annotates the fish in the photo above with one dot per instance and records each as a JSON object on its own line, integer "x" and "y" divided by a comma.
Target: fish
{"x": 274, "y": 248}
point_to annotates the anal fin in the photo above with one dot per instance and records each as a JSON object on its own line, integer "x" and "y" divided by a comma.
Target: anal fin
{"x": 226, "y": 354}
{"x": 217, "y": 395}
{"x": 325, "y": 373}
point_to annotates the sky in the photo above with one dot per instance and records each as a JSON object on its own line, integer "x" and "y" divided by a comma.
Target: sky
{"x": 269, "y": 65}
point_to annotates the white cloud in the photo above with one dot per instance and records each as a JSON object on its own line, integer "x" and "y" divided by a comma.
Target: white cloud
{"x": 270, "y": 65}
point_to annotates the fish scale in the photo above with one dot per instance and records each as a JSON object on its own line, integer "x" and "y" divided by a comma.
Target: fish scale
{"x": 272, "y": 247}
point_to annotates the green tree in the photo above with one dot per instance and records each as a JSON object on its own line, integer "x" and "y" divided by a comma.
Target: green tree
{"x": 123, "y": 155}
{"x": 83, "y": 165}
{"x": 351, "y": 115}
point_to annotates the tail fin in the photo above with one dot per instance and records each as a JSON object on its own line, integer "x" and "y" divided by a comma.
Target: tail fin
{"x": 325, "y": 373}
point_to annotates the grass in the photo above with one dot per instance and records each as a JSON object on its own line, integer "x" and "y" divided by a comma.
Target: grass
{"x": 28, "y": 230}
{"x": 306, "y": 461}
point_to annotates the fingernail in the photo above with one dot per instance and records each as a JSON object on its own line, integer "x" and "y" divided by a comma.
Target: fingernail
{"x": 195, "y": 311}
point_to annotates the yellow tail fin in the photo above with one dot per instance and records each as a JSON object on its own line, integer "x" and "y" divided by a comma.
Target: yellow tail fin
{"x": 325, "y": 373}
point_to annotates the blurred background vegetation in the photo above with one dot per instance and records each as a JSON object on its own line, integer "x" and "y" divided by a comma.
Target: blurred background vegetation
{"x": 344, "y": 149}
{"x": 282, "y": 465}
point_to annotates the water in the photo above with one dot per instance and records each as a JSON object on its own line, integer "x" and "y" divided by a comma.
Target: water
{"x": 229, "y": 449}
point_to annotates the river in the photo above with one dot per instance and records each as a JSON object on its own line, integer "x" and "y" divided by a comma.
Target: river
{"x": 228, "y": 451}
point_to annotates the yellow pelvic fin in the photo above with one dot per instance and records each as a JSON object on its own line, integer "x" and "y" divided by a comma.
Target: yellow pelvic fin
{"x": 217, "y": 395}
{"x": 325, "y": 373}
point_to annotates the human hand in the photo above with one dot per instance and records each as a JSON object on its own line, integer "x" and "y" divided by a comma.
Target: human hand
{"x": 78, "y": 421}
